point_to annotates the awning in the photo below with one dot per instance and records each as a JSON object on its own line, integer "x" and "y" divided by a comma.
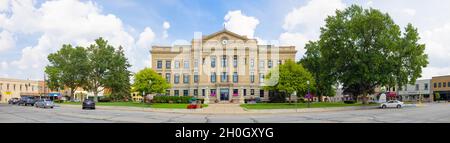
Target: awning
{"x": 54, "y": 94}
{"x": 391, "y": 94}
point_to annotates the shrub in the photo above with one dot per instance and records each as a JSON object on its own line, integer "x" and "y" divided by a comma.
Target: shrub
{"x": 171, "y": 99}
{"x": 58, "y": 101}
{"x": 350, "y": 102}
{"x": 104, "y": 99}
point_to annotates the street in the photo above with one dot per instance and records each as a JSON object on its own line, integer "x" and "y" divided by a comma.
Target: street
{"x": 430, "y": 113}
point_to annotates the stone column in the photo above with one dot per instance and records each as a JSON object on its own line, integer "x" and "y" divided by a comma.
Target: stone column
{"x": 206, "y": 98}
{"x": 241, "y": 98}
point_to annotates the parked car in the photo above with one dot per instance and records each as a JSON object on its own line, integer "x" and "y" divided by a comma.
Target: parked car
{"x": 44, "y": 103}
{"x": 26, "y": 101}
{"x": 88, "y": 104}
{"x": 13, "y": 101}
{"x": 392, "y": 104}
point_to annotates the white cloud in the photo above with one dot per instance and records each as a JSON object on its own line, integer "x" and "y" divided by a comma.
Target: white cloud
{"x": 4, "y": 65}
{"x": 146, "y": 38}
{"x": 429, "y": 72}
{"x": 437, "y": 41}
{"x": 7, "y": 41}
{"x": 294, "y": 39}
{"x": 410, "y": 12}
{"x": 4, "y": 5}
{"x": 241, "y": 24}
{"x": 369, "y": 3}
{"x": 166, "y": 26}
{"x": 303, "y": 23}
{"x": 64, "y": 22}
{"x": 312, "y": 15}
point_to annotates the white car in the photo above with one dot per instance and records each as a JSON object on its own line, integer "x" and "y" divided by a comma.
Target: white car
{"x": 392, "y": 104}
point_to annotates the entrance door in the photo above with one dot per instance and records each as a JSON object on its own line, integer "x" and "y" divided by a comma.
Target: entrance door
{"x": 224, "y": 94}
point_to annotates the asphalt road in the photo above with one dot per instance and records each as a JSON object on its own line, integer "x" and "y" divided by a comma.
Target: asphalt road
{"x": 431, "y": 113}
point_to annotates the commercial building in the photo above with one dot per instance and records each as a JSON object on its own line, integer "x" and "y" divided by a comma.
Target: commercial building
{"x": 441, "y": 85}
{"x": 221, "y": 66}
{"x": 420, "y": 91}
{"x": 16, "y": 88}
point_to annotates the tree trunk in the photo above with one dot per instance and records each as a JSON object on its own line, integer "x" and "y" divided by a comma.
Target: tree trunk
{"x": 289, "y": 97}
{"x": 365, "y": 98}
{"x": 95, "y": 95}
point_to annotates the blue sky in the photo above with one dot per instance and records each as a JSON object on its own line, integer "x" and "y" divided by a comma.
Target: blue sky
{"x": 31, "y": 29}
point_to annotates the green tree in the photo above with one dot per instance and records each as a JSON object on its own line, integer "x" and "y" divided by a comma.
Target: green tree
{"x": 315, "y": 63}
{"x": 365, "y": 49}
{"x": 437, "y": 96}
{"x": 67, "y": 68}
{"x": 119, "y": 77}
{"x": 148, "y": 81}
{"x": 289, "y": 78}
{"x": 102, "y": 67}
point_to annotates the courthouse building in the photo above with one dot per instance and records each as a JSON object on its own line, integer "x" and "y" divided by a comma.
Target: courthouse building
{"x": 222, "y": 66}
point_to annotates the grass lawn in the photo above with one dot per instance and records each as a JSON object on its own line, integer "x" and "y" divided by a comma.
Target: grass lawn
{"x": 137, "y": 104}
{"x": 300, "y": 105}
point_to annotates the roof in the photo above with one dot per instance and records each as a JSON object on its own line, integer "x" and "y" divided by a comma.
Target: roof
{"x": 227, "y": 32}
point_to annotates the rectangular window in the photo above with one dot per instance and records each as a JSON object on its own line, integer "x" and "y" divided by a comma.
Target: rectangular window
{"x": 213, "y": 92}
{"x": 224, "y": 77}
{"x": 186, "y": 64}
{"x": 176, "y": 93}
{"x": 261, "y": 93}
{"x": 203, "y": 92}
{"x": 224, "y": 61}
{"x": 168, "y": 64}
{"x": 235, "y": 77}
{"x": 252, "y": 63}
{"x": 176, "y": 79}
{"x": 7, "y": 86}
{"x": 245, "y": 92}
{"x": 439, "y": 85}
{"x": 261, "y": 64}
{"x": 261, "y": 78}
{"x": 269, "y": 64}
{"x": 159, "y": 64}
{"x": 417, "y": 87}
{"x": 20, "y": 88}
{"x": 177, "y": 64}
{"x": 1, "y": 86}
{"x": 195, "y": 92}
{"x": 235, "y": 92}
{"x": 252, "y": 77}
{"x": 167, "y": 92}
{"x": 435, "y": 85}
{"x": 168, "y": 77}
{"x": 252, "y": 91}
{"x": 195, "y": 77}
{"x": 185, "y": 78}
{"x": 235, "y": 61}
{"x": 445, "y": 84}
{"x": 426, "y": 86}
{"x": 213, "y": 61}
{"x": 196, "y": 63}
{"x": 213, "y": 77}
{"x": 185, "y": 92}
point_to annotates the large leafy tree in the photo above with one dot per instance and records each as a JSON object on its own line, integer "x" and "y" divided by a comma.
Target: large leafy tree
{"x": 289, "y": 78}
{"x": 118, "y": 78}
{"x": 102, "y": 66}
{"x": 365, "y": 49}
{"x": 68, "y": 68}
{"x": 148, "y": 81}
{"x": 320, "y": 70}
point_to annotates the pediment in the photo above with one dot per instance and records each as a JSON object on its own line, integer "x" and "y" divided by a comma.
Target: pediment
{"x": 225, "y": 34}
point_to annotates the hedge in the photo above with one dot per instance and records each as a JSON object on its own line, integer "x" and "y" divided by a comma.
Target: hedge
{"x": 171, "y": 99}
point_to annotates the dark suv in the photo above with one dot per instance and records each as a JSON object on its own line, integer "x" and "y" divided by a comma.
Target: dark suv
{"x": 26, "y": 101}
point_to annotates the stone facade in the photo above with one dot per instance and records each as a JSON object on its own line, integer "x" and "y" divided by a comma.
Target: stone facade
{"x": 220, "y": 67}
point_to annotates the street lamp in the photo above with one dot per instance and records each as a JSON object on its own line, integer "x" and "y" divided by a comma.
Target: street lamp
{"x": 308, "y": 96}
